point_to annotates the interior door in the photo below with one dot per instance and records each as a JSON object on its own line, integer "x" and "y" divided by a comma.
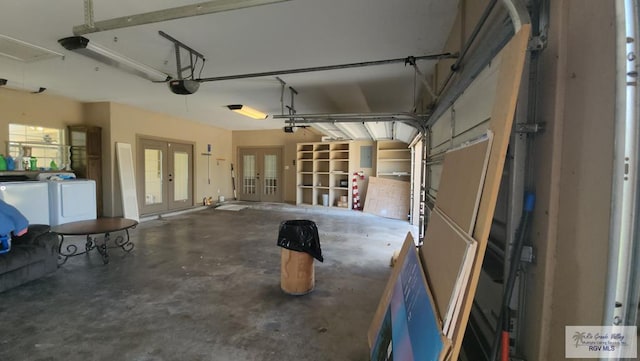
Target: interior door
{"x": 180, "y": 184}
{"x": 249, "y": 175}
{"x": 270, "y": 182}
{"x": 260, "y": 174}
{"x": 152, "y": 156}
{"x": 167, "y": 180}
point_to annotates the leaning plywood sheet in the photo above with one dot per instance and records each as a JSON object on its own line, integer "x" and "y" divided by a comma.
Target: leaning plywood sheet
{"x": 463, "y": 172}
{"x": 388, "y": 198}
{"x": 405, "y": 326}
{"x": 512, "y": 58}
{"x": 443, "y": 254}
{"x": 127, "y": 181}
{"x": 462, "y": 282}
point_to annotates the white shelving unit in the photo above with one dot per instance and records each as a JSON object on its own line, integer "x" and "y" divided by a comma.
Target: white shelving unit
{"x": 324, "y": 169}
{"x": 323, "y": 173}
{"x": 393, "y": 160}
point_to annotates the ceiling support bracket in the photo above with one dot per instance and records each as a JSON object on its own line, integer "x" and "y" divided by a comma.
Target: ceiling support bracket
{"x": 88, "y": 14}
{"x": 193, "y": 56}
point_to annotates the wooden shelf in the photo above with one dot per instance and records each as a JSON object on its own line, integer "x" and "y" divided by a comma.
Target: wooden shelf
{"x": 330, "y": 164}
{"x": 393, "y": 159}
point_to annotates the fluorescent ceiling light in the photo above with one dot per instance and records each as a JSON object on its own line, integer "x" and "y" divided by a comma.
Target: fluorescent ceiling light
{"x": 4, "y": 83}
{"x": 85, "y": 47}
{"x": 247, "y": 111}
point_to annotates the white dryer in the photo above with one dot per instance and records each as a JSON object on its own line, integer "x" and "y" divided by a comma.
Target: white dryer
{"x": 71, "y": 201}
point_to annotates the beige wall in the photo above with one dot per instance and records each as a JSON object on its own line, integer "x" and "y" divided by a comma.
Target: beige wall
{"x": 43, "y": 109}
{"x": 276, "y": 138}
{"x": 128, "y": 123}
{"x": 122, "y": 123}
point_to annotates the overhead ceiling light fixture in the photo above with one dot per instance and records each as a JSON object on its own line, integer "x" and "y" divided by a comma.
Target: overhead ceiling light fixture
{"x": 4, "y": 83}
{"x": 82, "y": 45}
{"x": 247, "y": 111}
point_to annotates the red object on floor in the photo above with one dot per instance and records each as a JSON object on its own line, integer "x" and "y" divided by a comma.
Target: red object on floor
{"x": 505, "y": 346}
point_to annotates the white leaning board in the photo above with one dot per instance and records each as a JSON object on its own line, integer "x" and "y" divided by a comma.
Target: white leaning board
{"x": 127, "y": 181}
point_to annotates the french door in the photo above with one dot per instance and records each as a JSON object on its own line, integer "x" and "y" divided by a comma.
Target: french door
{"x": 260, "y": 174}
{"x": 167, "y": 179}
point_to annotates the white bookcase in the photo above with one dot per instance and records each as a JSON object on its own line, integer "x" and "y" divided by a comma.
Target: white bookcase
{"x": 323, "y": 174}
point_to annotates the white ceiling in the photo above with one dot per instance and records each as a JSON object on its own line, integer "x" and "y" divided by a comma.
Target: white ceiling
{"x": 287, "y": 35}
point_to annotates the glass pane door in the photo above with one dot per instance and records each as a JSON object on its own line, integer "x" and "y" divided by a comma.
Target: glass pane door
{"x": 271, "y": 191}
{"x": 180, "y": 176}
{"x": 152, "y": 157}
{"x": 260, "y": 174}
{"x": 249, "y": 175}
{"x": 167, "y": 181}
{"x": 153, "y": 170}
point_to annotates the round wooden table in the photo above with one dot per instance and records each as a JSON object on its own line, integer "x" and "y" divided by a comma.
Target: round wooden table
{"x": 90, "y": 228}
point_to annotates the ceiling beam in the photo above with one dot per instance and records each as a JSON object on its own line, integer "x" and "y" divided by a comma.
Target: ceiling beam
{"x": 203, "y": 8}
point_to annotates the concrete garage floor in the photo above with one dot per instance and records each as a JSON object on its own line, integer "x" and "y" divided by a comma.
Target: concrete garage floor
{"x": 206, "y": 286}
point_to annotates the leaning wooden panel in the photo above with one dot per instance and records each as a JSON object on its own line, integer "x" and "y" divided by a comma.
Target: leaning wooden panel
{"x": 509, "y": 78}
{"x": 443, "y": 254}
{"x": 388, "y": 198}
{"x": 463, "y": 174}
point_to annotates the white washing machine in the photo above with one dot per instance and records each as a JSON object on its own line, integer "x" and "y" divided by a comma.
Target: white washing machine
{"x": 31, "y": 198}
{"x": 71, "y": 201}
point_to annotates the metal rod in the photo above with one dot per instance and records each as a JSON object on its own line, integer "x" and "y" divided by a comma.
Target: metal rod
{"x": 282, "y": 86}
{"x": 363, "y": 116}
{"x": 620, "y": 305}
{"x": 203, "y": 8}
{"x": 181, "y": 44}
{"x": 293, "y": 95}
{"x": 327, "y": 67}
{"x": 178, "y": 61}
{"x": 410, "y": 122}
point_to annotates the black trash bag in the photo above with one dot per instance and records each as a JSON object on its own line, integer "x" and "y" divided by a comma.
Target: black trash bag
{"x": 301, "y": 236}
